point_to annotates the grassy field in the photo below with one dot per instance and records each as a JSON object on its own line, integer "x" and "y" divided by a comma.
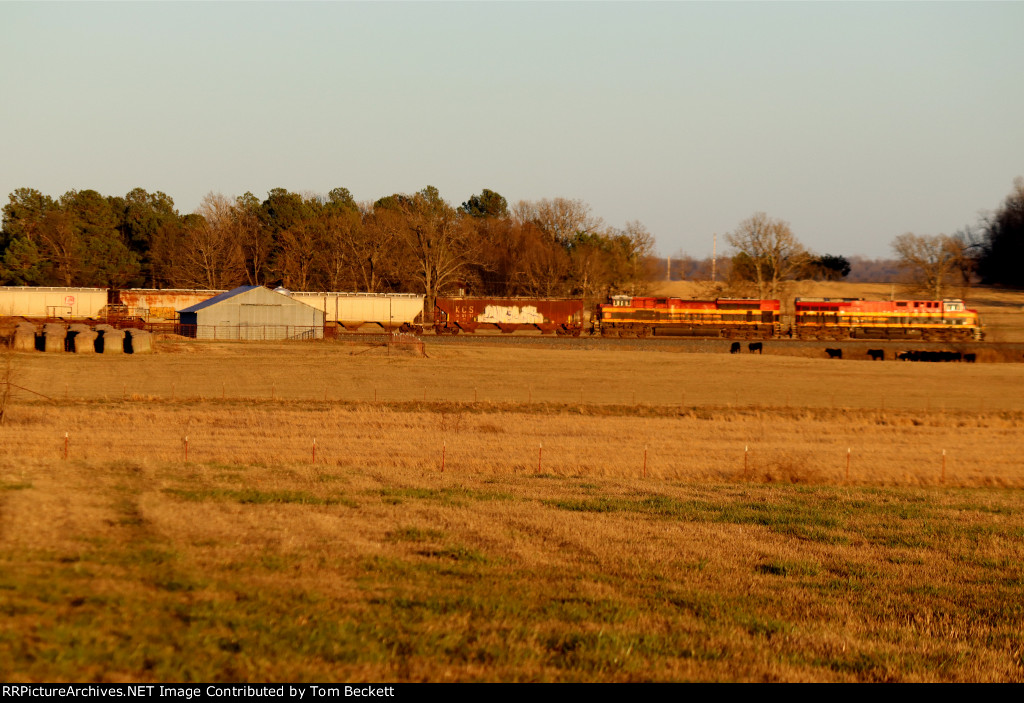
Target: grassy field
{"x": 704, "y": 528}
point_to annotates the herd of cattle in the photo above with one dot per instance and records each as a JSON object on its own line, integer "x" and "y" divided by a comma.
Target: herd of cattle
{"x": 876, "y": 354}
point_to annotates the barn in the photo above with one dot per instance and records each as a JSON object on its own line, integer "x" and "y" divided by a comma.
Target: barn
{"x": 252, "y": 312}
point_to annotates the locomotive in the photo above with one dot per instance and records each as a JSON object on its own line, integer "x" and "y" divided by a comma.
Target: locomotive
{"x": 814, "y": 318}
{"x": 847, "y": 318}
{"x": 734, "y": 318}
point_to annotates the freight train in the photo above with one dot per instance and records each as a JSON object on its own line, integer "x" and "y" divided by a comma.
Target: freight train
{"x": 814, "y": 318}
{"x": 622, "y": 316}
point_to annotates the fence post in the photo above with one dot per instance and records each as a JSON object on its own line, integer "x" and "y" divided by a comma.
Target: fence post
{"x": 65, "y": 446}
{"x": 847, "y": 463}
{"x": 540, "y": 456}
{"x": 746, "y": 449}
{"x": 943, "y": 466}
{"x": 314, "y": 450}
{"x": 186, "y": 449}
{"x": 444, "y": 447}
{"x": 645, "y": 461}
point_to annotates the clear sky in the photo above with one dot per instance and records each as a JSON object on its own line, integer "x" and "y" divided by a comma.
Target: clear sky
{"x": 855, "y": 122}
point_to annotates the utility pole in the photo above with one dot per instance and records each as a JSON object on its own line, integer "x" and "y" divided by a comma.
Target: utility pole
{"x": 714, "y": 256}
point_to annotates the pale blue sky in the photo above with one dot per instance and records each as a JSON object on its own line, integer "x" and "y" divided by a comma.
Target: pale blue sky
{"x": 855, "y": 122}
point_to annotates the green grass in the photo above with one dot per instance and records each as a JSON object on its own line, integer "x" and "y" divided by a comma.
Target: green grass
{"x": 459, "y": 582}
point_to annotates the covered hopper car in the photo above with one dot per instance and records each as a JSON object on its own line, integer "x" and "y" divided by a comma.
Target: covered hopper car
{"x": 507, "y": 315}
{"x": 734, "y": 318}
{"x": 367, "y": 311}
{"x": 848, "y": 318}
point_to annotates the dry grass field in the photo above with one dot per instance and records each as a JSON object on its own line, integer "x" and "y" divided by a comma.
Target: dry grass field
{"x": 1001, "y": 311}
{"x": 601, "y": 516}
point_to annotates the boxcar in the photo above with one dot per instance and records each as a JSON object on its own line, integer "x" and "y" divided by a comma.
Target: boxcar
{"x": 734, "y": 318}
{"x": 548, "y": 315}
{"x": 846, "y": 318}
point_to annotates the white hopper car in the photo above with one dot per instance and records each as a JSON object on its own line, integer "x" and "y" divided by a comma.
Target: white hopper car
{"x": 366, "y": 311}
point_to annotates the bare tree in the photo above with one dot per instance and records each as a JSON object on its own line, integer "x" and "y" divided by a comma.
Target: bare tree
{"x": 562, "y": 219}
{"x": 211, "y": 257}
{"x": 930, "y": 261}
{"x": 438, "y": 243}
{"x": 770, "y": 250}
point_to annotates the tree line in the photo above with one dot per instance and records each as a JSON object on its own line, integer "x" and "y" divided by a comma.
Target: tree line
{"x": 415, "y": 242}
{"x": 766, "y": 254}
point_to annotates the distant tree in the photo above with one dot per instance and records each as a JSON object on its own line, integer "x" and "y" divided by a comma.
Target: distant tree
{"x": 772, "y": 253}
{"x": 253, "y": 233}
{"x": 437, "y": 245}
{"x": 341, "y": 198}
{"x": 828, "y": 267}
{"x": 23, "y": 213}
{"x": 487, "y": 204}
{"x": 211, "y": 257}
{"x": 560, "y": 218}
{"x": 140, "y": 218}
{"x": 1002, "y": 252}
{"x": 929, "y": 261}
{"x": 23, "y": 264}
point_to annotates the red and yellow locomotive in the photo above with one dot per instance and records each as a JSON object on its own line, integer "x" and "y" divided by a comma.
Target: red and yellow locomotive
{"x": 733, "y": 318}
{"x": 847, "y": 318}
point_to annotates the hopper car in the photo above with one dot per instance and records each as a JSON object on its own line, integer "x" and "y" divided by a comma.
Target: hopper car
{"x": 364, "y": 312}
{"x": 507, "y": 315}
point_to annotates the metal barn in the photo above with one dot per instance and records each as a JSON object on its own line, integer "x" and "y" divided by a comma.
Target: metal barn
{"x": 252, "y": 312}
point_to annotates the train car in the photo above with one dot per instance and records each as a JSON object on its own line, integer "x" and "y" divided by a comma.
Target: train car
{"x": 507, "y": 315}
{"x": 367, "y": 311}
{"x": 853, "y": 318}
{"x": 733, "y": 318}
{"x": 49, "y": 302}
{"x": 153, "y": 304}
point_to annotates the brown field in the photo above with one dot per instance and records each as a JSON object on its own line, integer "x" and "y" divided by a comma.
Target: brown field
{"x": 597, "y": 518}
{"x": 1001, "y": 311}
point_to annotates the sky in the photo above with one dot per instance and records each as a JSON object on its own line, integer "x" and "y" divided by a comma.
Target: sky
{"x": 854, "y": 122}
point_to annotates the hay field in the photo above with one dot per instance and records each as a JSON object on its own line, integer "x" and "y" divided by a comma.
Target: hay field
{"x": 257, "y": 560}
{"x": 1001, "y": 311}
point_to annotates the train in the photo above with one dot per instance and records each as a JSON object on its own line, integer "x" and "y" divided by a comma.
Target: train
{"x": 621, "y": 316}
{"x": 813, "y": 318}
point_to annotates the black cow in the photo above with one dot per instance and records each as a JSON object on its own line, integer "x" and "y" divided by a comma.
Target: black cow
{"x": 755, "y": 347}
{"x": 834, "y": 353}
{"x": 735, "y": 348}
{"x": 877, "y": 354}
{"x": 970, "y": 358}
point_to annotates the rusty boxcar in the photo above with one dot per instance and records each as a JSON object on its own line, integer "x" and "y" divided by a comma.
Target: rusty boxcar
{"x": 548, "y": 315}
